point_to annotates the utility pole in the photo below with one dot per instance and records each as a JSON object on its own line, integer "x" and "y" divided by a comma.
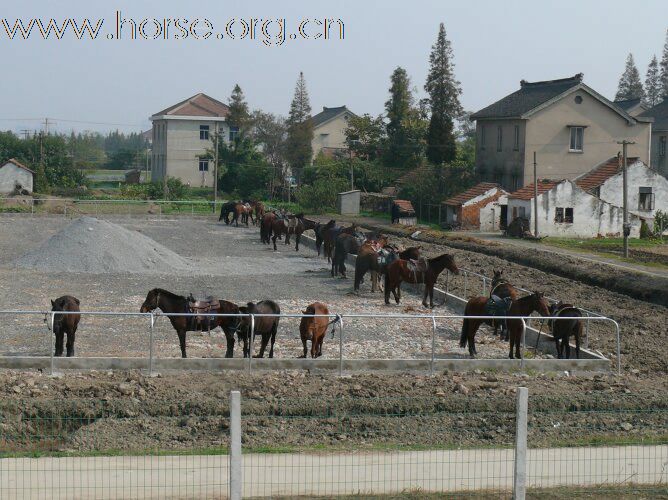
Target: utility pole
{"x": 215, "y": 166}
{"x": 535, "y": 196}
{"x": 627, "y": 227}
{"x": 352, "y": 175}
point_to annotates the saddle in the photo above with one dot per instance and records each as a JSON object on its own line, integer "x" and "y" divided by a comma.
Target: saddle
{"x": 202, "y": 321}
{"x": 497, "y": 306}
{"x": 418, "y": 266}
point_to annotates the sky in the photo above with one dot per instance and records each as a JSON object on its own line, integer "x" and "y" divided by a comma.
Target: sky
{"x": 107, "y": 83}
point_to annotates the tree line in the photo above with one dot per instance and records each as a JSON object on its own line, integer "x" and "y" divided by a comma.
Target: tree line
{"x": 655, "y": 88}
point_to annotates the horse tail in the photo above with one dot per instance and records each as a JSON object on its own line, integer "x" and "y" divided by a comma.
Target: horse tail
{"x": 463, "y": 340}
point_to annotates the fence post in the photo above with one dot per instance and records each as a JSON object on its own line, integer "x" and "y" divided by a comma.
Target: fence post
{"x": 433, "y": 343}
{"x": 235, "y": 445}
{"x": 32, "y": 206}
{"x": 251, "y": 343}
{"x": 341, "y": 346}
{"x": 150, "y": 347}
{"x": 523, "y": 348}
{"x": 520, "y": 473}
{"x": 51, "y": 343}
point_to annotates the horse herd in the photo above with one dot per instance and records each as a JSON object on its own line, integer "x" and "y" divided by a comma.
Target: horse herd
{"x": 374, "y": 255}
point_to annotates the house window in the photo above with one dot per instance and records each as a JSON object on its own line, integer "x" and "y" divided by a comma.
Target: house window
{"x": 563, "y": 215}
{"x": 234, "y": 133}
{"x": 482, "y": 137}
{"x": 515, "y": 179}
{"x": 204, "y": 132}
{"x": 662, "y": 145}
{"x": 203, "y": 165}
{"x": 499, "y": 139}
{"x": 645, "y": 199}
{"x": 516, "y": 143}
{"x": 596, "y": 191}
{"x": 577, "y": 137}
{"x": 523, "y": 212}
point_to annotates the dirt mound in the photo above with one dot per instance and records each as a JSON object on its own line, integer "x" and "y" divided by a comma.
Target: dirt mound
{"x": 95, "y": 246}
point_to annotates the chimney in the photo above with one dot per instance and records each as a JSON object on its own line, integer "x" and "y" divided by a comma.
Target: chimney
{"x": 523, "y": 83}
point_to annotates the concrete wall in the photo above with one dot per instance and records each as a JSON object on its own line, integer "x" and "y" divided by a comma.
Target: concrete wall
{"x": 591, "y": 215}
{"x": 10, "y": 175}
{"x": 659, "y": 162}
{"x": 549, "y": 135}
{"x": 348, "y": 203}
{"x": 330, "y": 134}
{"x": 500, "y": 166}
{"x": 638, "y": 176}
{"x": 490, "y": 214}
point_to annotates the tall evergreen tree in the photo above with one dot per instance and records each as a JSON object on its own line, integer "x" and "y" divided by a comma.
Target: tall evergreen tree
{"x": 300, "y": 129}
{"x": 444, "y": 91}
{"x": 630, "y": 86}
{"x": 399, "y": 108}
{"x": 653, "y": 88}
{"x": 664, "y": 69}
{"x": 239, "y": 116}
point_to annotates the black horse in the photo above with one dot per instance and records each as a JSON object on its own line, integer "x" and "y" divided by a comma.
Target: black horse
{"x": 225, "y": 210}
{"x": 169, "y": 302}
{"x": 265, "y": 326}
{"x": 65, "y": 323}
{"x": 320, "y": 230}
{"x": 345, "y": 244}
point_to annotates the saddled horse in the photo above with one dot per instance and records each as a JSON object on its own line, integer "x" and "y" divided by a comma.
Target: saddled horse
{"x": 376, "y": 262}
{"x": 477, "y": 306}
{"x": 226, "y": 209}
{"x": 265, "y": 326}
{"x": 266, "y": 227}
{"x": 345, "y": 244}
{"x": 424, "y": 271}
{"x": 320, "y": 230}
{"x": 169, "y": 302}
{"x": 244, "y": 212}
{"x": 303, "y": 224}
{"x": 563, "y": 329}
{"x": 258, "y": 209}
{"x": 502, "y": 293}
{"x": 329, "y": 238}
{"x": 65, "y": 323}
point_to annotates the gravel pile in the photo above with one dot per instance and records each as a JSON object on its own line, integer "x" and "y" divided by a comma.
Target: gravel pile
{"x": 89, "y": 245}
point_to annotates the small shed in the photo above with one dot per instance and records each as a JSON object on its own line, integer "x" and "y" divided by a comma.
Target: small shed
{"x": 133, "y": 176}
{"x": 15, "y": 177}
{"x": 403, "y": 213}
{"x": 348, "y": 203}
{"x": 467, "y": 209}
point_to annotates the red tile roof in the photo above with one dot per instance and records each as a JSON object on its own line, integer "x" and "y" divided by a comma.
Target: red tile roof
{"x": 526, "y": 193}
{"x": 18, "y": 164}
{"x": 197, "y": 105}
{"x": 597, "y": 176}
{"x": 477, "y": 190}
{"x": 405, "y": 206}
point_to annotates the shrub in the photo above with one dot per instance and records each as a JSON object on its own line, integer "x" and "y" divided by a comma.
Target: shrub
{"x": 321, "y": 195}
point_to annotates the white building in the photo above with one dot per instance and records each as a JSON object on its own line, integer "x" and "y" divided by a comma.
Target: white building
{"x": 13, "y": 175}
{"x": 183, "y": 136}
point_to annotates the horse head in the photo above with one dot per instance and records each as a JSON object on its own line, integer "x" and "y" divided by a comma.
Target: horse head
{"x": 151, "y": 302}
{"x": 449, "y": 263}
{"x": 541, "y": 304}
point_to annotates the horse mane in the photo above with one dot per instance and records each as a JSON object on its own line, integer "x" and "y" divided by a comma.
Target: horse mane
{"x": 440, "y": 257}
{"x": 162, "y": 291}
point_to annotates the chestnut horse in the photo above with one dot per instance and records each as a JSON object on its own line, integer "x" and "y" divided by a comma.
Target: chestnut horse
{"x": 315, "y": 328}
{"x": 426, "y": 272}
{"x": 169, "y": 302}
{"x": 477, "y": 306}
{"x": 243, "y": 211}
{"x": 258, "y": 207}
{"x": 65, "y": 323}
{"x": 376, "y": 261}
{"x": 504, "y": 290}
{"x": 563, "y": 329}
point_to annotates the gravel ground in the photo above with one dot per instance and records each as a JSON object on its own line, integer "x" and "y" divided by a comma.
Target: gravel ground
{"x": 227, "y": 262}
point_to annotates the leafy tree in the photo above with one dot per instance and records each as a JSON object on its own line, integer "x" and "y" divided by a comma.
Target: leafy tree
{"x": 269, "y": 133}
{"x": 298, "y": 148}
{"x": 653, "y": 83}
{"x": 243, "y": 169}
{"x": 239, "y": 116}
{"x": 664, "y": 69}
{"x": 365, "y": 136}
{"x": 630, "y": 86}
{"x": 444, "y": 91}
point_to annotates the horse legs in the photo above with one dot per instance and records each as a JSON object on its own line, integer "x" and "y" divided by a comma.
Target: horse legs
{"x": 320, "y": 340}
{"x": 577, "y": 340}
{"x": 70, "y": 342}
{"x": 297, "y": 238}
{"x": 424, "y": 296}
{"x": 229, "y": 336}
{"x": 397, "y": 294}
{"x": 567, "y": 345}
{"x": 263, "y": 345}
{"x": 244, "y": 338}
{"x": 559, "y": 347}
{"x": 182, "y": 342}
{"x": 274, "y": 330}
{"x": 304, "y": 341}
{"x": 374, "y": 281}
{"x": 273, "y": 238}
{"x": 60, "y": 336}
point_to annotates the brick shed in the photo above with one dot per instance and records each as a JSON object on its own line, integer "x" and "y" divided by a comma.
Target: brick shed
{"x": 468, "y": 209}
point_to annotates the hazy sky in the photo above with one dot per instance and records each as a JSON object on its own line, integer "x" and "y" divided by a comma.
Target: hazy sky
{"x": 496, "y": 44}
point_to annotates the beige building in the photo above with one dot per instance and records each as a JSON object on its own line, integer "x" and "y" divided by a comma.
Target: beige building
{"x": 329, "y": 128}
{"x": 567, "y": 124}
{"x": 183, "y": 136}
{"x": 659, "y": 159}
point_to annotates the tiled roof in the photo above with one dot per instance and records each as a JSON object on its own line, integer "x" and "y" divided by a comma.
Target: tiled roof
{"x": 660, "y": 115}
{"x": 469, "y": 194}
{"x": 628, "y": 104}
{"x": 18, "y": 164}
{"x": 327, "y": 114}
{"x": 404, "y": 206}
{"x": 197, "y": 105}
{"x": 530, "y": 96}
{"x": 597, "y": 176}
{"x": 526, "y": 193}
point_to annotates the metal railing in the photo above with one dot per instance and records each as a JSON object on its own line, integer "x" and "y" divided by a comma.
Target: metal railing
{"x": 341, "y": 317}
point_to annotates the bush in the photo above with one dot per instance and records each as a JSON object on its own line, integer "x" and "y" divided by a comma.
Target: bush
{"x": 645, "y": 231}
{"x": 176, "y": 190}
{"x": 321, "y": 195}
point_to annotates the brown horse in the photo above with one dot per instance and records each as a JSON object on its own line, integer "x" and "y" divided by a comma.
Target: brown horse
{"x": 477, "y": 306}
{"x": 65, "y": 323}
{"x": 169, "y": 302}
{"x": 425, "y": 271}
{"x": 266, "y": 225}
{"x": 303, "y": 224}
{"x": 258, "y": 208}
{"x": 563, "y": 329}
{"x": 320, "y": 230}
{"x": 314, "y": 328}
{"x": 504, "y": 290}
{"x": 376, "y": 261}
{"x": 244, "y": 212}
{"x": 329, "y": 238}
{"x": 265, "y": 326}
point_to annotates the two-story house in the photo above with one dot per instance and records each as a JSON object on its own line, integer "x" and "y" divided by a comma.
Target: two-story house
{"x": 659, "y": 113}
{"x": 567, "y": 124}
{"x": 183, "y": 136}
{"x": 329, "y": 127}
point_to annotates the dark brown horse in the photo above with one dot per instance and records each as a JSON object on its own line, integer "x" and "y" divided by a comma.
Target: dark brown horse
{"x": 502, "y": 289}
{"x": 320, "y": 230}
{"x": 345, "y": 244}
{"x": 258, "y": 208}
{"x": 169, "y": 302}
{"x": 225, "y": 210}
{"x": 65, "y": 323}
{"x": 266, "y": 225}
{"x": 303, "y": 224}
{"x": 563, "y": 329}
{"x": 424, "y": 271}
{"x": 375, "y": 260}
{"x": 477, "y": 306}
{"x": 265, "y": 326}
{"x": 329, "y": 238}
{"x": 244, "y": 212}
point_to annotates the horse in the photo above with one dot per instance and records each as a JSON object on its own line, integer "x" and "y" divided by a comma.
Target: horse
{"x": 169, "y": 302}
{"x": 303, "y": 224}
{"x": 258, "y": 208}
{"x": 266, "y": 227}
{"x": 345, "y": 244}
{"x": 319, "y": 231}
{"x": 564, "y": 329}
{"x": 329, "y": 238}
{"x": 315, "y": 328}
{"x": 477, "y": 306}
{"x": 243, "y": 211}
{"x": 368, "y": 259}
{"x": 425, "y": 271}
{"x": 503, "y": 290}
{"x": 225, "y": 210}
{"x": 65, "y": 323}
{"x": 266, "y": 326}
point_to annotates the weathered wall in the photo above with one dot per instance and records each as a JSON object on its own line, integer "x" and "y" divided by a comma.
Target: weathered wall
{"x": 10, "y": 175}
{"x": 500, "y": 166}
{"x": 658, "y": 161}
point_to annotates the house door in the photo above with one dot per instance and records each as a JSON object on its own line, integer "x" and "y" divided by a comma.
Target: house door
{"x": 503, "y": 223}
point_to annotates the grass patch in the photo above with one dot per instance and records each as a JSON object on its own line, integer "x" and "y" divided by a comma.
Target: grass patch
{"x": 603, "y": 244}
